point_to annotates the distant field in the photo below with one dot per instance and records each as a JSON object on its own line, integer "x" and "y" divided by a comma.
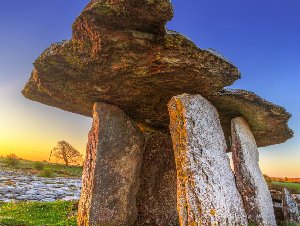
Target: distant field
{"x": 285, "y": 179}
{"x": 34, "y": 213}
{"x": 54, "y": 169}
{"x": 293, "y": 187}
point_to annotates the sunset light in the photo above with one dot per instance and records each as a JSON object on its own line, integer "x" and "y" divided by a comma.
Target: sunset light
{"x": 149, "y": 112}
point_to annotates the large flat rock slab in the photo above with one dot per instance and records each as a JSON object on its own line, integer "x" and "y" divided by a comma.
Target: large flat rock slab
{"x": 111, "y": 170}
{"x": 156, "y": 198}
{"x": 206, "y": 189}
{"x": 250, "y": 181}
{"x": 130, "y": 14}
{"x": 137, "y": 66}
{"x": 268, "y": 122}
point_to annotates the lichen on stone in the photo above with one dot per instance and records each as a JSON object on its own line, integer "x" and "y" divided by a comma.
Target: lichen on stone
{"x": 250, "y": 181}
{"x": 268, "y": 122}
{"x": 206, "y": 190}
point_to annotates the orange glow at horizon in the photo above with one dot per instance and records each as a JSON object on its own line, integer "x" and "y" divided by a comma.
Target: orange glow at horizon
{"x": 34, "y": 129}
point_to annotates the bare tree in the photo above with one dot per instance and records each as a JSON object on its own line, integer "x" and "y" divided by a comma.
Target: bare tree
{"x": 66, "y": 152}
{"x": 12, "y": 160}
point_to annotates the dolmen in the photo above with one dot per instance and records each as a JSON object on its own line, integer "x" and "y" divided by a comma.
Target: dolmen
{"x": 163, "y": 121}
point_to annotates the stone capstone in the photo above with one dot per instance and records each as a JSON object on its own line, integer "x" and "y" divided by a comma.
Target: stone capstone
{"x": 129, "y": 14}
{"x": 121, "y": 54}
{"x": 290, "y": 208}
{"x": 268, "y": 122}
{"x": 250, "y": 181}
{"x": 111, "y": 169}
{"x": 156, "y": 198}
{"x": 206, "y": 189}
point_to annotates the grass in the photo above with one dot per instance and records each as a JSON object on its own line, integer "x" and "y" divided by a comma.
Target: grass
{"x": 41, "y": 167}
{"x": 46, "y": 173}
{"x": 59, "y": 213}
{"x": 292, "y": 187}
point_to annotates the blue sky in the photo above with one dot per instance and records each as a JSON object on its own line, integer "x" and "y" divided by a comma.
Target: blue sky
{"x": 260, "y": 37}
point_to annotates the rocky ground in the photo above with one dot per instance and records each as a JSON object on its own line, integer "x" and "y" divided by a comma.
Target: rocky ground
{"x": 277, "y": 197}
{"x": 18, "y": 186}
{"x": 277, "y": 203}
{"x": 21, "y": 186}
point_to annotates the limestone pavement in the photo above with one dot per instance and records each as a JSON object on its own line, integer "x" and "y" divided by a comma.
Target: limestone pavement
{"x": 17, "y": 186}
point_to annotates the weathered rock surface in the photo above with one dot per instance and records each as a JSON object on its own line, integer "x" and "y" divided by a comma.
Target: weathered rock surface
{"x": 297, "y": 198}
{"x": 121, "y": 54}
{"x": 129, "y": 14}
{"x": 268, "y": 122}
{"x": 278, "y": 213}
{"x": 111, "y": 170}
{"x": 277, "y": 204}
{"x": 206, "y": 190}
{"x": 276, "y": 196}
{"x": 290, "y": 208}
{"x": 250, "y": 181}
{"x": 17, "y": 186}
{"x": 156, "y": 199}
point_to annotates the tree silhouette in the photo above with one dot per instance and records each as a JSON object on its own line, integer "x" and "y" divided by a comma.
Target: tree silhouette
{"x": 12, "y": 159}
{"x": 66, "y": 152}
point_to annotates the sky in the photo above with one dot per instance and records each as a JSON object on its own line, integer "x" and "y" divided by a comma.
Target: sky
{"x": 260, "y": 37}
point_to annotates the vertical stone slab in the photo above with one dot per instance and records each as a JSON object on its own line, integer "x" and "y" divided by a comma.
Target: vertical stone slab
{"x": 250, "y": 181}
{"x": 290, "y": 208}
{"x": 206, "y": 189}
{"x": 156, "y": 199}
{"x": 111, "y": 170}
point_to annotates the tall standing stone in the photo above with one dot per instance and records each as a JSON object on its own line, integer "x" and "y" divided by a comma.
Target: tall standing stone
{"x": 206, "y": 190}
{"x": 290, "y": 208}
{"x": 250, "y": 181}
{"x": 111, "y": 169}
{"x": 156, "y": 199}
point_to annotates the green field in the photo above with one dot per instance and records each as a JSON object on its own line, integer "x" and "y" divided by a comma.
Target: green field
{"x": 62, "y": 213}
{"x": 31, "y": 167}
{"x": 292, "y": 187}
{"x": 57, "y": 213}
